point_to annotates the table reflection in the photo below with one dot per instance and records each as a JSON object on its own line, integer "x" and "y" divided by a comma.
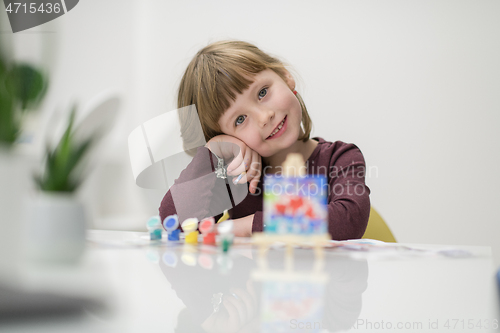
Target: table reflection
{"x": 236, "y": 293}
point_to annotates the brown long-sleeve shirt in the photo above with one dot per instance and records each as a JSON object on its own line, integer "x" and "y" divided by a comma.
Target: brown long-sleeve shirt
{"x": 198, "y": 193}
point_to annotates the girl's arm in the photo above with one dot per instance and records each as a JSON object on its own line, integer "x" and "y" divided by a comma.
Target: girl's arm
{"x": 348, "y": 198}
{"x": 191, "y": 194}
{"x": 246, "y": 165}
{"x": 242, "y": 227}
{"x": 199, "y": 193}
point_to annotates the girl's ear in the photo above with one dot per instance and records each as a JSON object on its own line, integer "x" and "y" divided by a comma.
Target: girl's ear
{"x": 290, "y": 81}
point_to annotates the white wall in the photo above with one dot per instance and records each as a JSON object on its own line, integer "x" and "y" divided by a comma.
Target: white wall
{"x": 88, "y": 51}
{"x": 413, "y": 83}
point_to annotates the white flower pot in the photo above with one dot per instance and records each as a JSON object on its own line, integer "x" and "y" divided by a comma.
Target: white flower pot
{"x": 56, "y": 229}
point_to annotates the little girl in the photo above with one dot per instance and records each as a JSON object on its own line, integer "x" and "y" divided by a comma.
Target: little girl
{"x": 247, "y": 99}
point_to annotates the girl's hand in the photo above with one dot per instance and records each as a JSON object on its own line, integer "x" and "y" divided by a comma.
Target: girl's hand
{"x": 244, "y": 161}
{"x": 242, "y": 227}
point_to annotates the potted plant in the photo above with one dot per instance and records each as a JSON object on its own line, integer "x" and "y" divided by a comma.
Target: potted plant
{"x": 22, "y": 87}
{"x": 57, "y": 224}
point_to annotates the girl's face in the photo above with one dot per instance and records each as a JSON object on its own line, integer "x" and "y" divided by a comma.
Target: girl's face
{"x": 255, "y": 117}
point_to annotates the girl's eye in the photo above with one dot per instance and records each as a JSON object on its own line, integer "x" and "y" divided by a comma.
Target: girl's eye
{"x": 239, "y": 120}
{"x": 262, "y": 93}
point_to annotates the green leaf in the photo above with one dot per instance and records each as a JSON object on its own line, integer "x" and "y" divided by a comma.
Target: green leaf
{"x": 62, "y": 171}
{"x": 8, "y": 125}
{"x": 26, "y": 84}
{"x": 21, "y": 87}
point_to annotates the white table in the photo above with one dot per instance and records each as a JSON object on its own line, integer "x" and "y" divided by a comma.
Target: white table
{"x": 148, "y": 287}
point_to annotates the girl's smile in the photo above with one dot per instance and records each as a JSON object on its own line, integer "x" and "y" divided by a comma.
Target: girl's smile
{"x": 278, "y": 130}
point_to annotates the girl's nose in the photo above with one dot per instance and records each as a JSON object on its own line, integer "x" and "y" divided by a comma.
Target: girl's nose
{"x": 265, "y": 116}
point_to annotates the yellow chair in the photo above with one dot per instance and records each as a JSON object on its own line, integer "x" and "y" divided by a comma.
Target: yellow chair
{"x": 378, "y": 229}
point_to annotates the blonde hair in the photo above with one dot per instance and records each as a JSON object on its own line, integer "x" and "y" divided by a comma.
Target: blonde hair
{"x": 216, "y": 74}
